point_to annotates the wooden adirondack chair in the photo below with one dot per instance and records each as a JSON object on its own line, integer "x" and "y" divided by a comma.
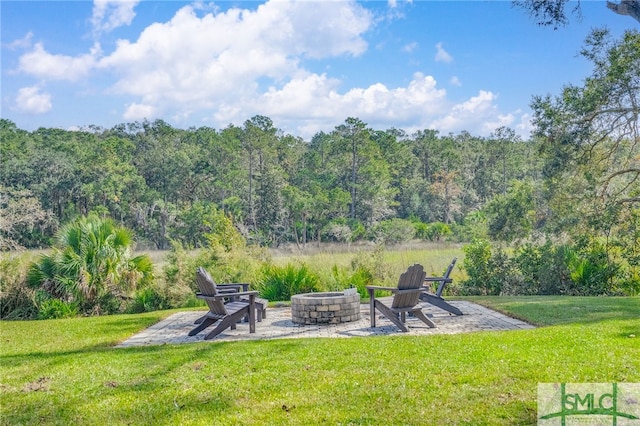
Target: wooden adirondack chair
{"x": 227, "y": 314}
{"x": 436, "y": 299}
{"x": 233, "y": 291}
{"x": 405, "y": 299}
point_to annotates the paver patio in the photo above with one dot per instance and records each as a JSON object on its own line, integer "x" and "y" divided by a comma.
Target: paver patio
{"x": 278, "y": 325}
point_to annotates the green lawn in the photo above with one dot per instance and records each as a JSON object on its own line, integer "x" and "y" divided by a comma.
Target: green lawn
{"x": 67, "y": 371}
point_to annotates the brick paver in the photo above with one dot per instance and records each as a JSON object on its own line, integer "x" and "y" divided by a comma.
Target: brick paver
{"x": 278, "y": 325}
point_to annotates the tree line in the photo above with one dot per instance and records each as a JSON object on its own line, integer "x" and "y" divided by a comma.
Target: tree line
{"x": 169, "y": 184}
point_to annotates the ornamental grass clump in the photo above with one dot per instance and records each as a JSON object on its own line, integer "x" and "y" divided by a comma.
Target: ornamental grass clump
{"x": 279, "y": 283}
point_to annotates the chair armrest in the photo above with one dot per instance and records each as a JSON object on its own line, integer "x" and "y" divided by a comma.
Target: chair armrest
{"x": 216, "y": 297}
{"x": 438, "y": 279}
{"x": 375, "y": 287}
{"x": 246, "y": 293}
{"x": 228, "y": 290}
{"x": 225, "y": 296}
{"x": 239, "y": 286}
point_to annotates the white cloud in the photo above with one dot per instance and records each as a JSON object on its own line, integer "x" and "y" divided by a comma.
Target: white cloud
{"x": 455, "y": 81}
{"x": 222, "y": 68}
{"x": 218, "y": 59}
{"x": 442, "y": 55}
{"x": 21, "y": 43}
{"x": 140, "y": 112}
{"x": 111, "y": 14}
{"x": 32, "y": 101}
{"x": 410, "y": 47}
{"x": 316, "y": 98}
{"x": 524, "y": 126}
{"x": 44, "y": 65}
{"x": 478, "y": 113}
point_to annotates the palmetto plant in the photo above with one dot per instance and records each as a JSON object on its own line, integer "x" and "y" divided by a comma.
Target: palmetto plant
{"x": 91, "y": 263}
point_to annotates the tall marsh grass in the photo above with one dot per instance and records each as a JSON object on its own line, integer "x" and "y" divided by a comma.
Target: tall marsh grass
{"x": 330, "y": 267}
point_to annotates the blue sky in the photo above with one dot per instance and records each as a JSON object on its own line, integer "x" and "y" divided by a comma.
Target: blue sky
{"x": 446, "y": 65}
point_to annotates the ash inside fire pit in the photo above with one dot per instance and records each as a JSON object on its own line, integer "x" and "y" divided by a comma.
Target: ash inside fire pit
{"x": 325, "y": 308}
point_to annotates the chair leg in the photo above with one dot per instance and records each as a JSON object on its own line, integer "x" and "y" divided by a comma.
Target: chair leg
{"x": 230, "y": 322}
{"x": 223, "y": 325}
{"x": 392, "y": 316}
{"x": 440, "y": 303}
{"x": 422, "y": 317}
{"x": 204, "y": 324}
{"x": 199, "y": 320}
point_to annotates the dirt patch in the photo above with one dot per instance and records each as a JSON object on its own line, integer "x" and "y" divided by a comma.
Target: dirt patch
{"x": 40, "y": 385}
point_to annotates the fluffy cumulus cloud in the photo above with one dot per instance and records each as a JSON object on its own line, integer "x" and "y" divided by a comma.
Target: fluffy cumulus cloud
{"x": 316, "y": 98}
{"x": 222, "y": 68}
{"x": 137, "y": 111}
{"x": 32, "y": 101}
{"x": 42, "y": 64}
{"x": 478, "y": 113}
{"x": 210, "y": 61}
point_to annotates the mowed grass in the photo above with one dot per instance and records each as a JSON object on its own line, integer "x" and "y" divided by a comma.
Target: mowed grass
{"x": 68, "y": 372}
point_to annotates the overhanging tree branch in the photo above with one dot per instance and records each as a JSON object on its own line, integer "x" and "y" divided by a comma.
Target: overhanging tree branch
{"x": 552, "y": 12}
{"x": 626, "y": 7}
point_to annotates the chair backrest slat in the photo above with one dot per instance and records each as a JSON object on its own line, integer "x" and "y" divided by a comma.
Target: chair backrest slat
{"x": 443, "y": 283}
{"x": 208, "y": 288}
{"x": 413, "y": 278}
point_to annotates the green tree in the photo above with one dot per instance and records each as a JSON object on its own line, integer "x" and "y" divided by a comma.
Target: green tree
{"x": 589, "y": 135}
{"x": 368, "y": 179}
{"x": 201, "y": 224}
{"x": 512, "y": 215}
{"x": 23, "y": 221}
{"x": 258, "y": 135}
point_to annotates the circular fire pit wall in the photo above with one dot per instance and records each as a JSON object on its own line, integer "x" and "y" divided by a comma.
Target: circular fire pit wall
{"x": 325, "y": 308}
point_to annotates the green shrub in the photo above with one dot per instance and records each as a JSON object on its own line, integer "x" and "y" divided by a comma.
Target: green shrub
{"x": 421, "y": 229}
{"x": 17, "y": 300}
{"x": 147, "y": 300}
{"x": 437, "y": 231}
{"x": 338, "y": 232}
{"x": 91, "y": 265}
{"x": 56, "y": 308}
{"x": 586, "y": 267}
{"x": 488, "y": 273}
{"x": 202, "y": 224}
{"x": 359, "y": 279}
{"x": 375, "y": 265}
{"x": 476, "y": 263}
{"x": 473, "y": 226}
{"x": 279, "y": 283}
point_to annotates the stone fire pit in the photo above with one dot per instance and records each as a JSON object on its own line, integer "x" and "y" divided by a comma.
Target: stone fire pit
{"x": 325, "y": 308}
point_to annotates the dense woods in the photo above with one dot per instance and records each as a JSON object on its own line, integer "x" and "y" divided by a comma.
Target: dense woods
{"x": 352, "y": 183}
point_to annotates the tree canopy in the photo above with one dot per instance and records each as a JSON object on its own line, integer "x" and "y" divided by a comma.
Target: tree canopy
{"x": 554, "y": 12}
